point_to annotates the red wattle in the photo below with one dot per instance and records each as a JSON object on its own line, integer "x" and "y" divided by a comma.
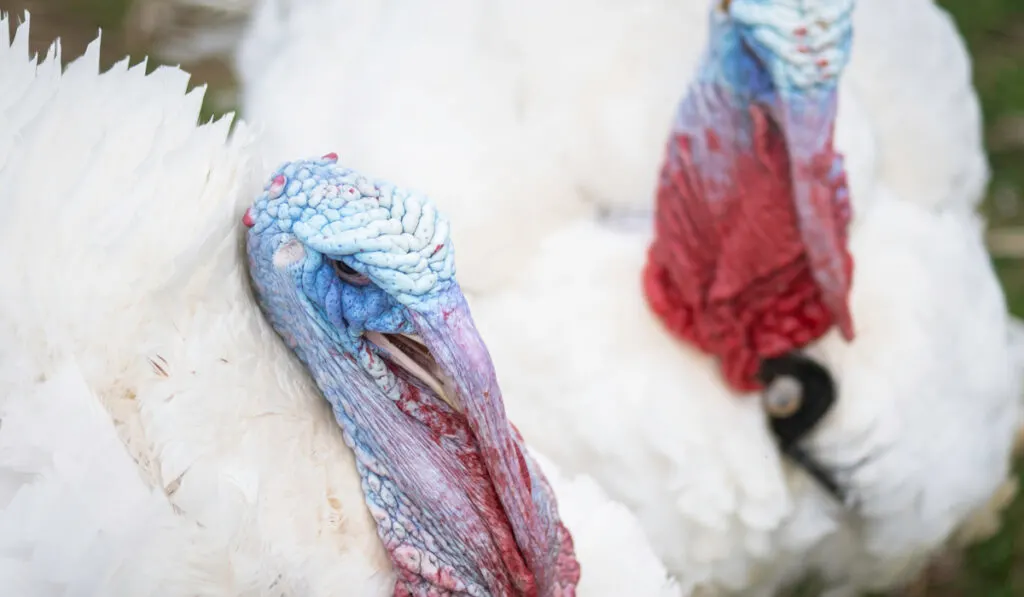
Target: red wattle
{"x": 728, "y": 270}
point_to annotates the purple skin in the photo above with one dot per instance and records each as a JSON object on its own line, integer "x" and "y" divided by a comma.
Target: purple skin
{"x": 758, "y": 54}
{"x": 342, "y": 267}
{"x": 808, "y": 123}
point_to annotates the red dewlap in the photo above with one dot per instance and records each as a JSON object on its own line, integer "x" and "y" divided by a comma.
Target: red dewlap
{"x": 727, "y": 269}
{"x": 508, "y": 569}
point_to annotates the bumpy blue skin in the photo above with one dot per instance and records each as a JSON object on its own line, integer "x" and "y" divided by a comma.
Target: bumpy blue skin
{"x": 411, "y": 448}
{"x": 755, "y": 48}
{"x": 323, "y": 318}
{"x": 754, "y": 56}
{"x": 385, "y": 232}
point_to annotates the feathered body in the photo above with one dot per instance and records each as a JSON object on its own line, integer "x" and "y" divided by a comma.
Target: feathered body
{"x": 564, "y": 106}
{"x": 157, "y": 438}
{"x": 650, "y": 418}
{"x": 553, "y": 111}
{"x": 903, "y": 89}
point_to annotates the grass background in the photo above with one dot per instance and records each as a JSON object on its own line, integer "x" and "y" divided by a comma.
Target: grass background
{"x": 994, "y": 32}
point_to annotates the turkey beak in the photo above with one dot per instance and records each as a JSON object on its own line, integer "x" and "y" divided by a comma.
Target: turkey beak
{"x": 448, "y": 331}
{"x": 820, "y": 197}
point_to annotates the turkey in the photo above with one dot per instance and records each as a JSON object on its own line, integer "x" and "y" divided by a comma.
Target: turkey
{"x": 652, "y": 46}
{"x": 570, "y": 90}
{"x": 888, "y": 419}
{"x": 156, "y": 438}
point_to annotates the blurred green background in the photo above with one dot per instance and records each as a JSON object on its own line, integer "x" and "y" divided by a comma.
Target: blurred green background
{"x": 994, "y": 32}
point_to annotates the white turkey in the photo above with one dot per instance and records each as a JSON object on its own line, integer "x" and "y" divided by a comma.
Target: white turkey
{"x": 520, "y": 116}
{"x": 156, "y": 435}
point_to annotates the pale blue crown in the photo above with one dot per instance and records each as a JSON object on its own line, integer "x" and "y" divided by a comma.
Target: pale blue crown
{"x": 800, "y": 46}
{"x": 395, "y": 237}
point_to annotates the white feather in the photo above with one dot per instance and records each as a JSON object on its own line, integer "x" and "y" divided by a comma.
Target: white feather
{"x": 911, "y": 71}
{"x": 521, "y": 117}
{"x": 156, "y": 438}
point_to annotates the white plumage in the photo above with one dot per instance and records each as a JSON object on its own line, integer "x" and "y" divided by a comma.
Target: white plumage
{"x": 480, "y": 103}
{"x": 929, "y": 423}
{"x": 585, "y": 88}
{"x": 156, "y": 437}
{"x": 911, "y": 73}
{"x": 520, "y": 117}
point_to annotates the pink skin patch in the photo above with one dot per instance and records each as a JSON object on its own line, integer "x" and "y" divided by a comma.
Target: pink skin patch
{"x": 525, "y": 502}
{"x": 247, "y": 219}
{"x": 733, "y": 268}
{"x": 470, "y": 485}
{"x": 459, "y": 505}
{"x": 276, "y": 187}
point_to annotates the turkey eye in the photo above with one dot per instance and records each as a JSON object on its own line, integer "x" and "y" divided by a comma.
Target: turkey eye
{"x": 783, "y": 397}
{"x": 725, "y": 5}
{"x": 798, "y": 393}
{"x": 348, "y": 275}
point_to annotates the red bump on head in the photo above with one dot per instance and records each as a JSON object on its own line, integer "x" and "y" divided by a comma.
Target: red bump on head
{"x": 331, "y": 156}
{"x": 278, "y": 180}
{"x": 247, "y": 219}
